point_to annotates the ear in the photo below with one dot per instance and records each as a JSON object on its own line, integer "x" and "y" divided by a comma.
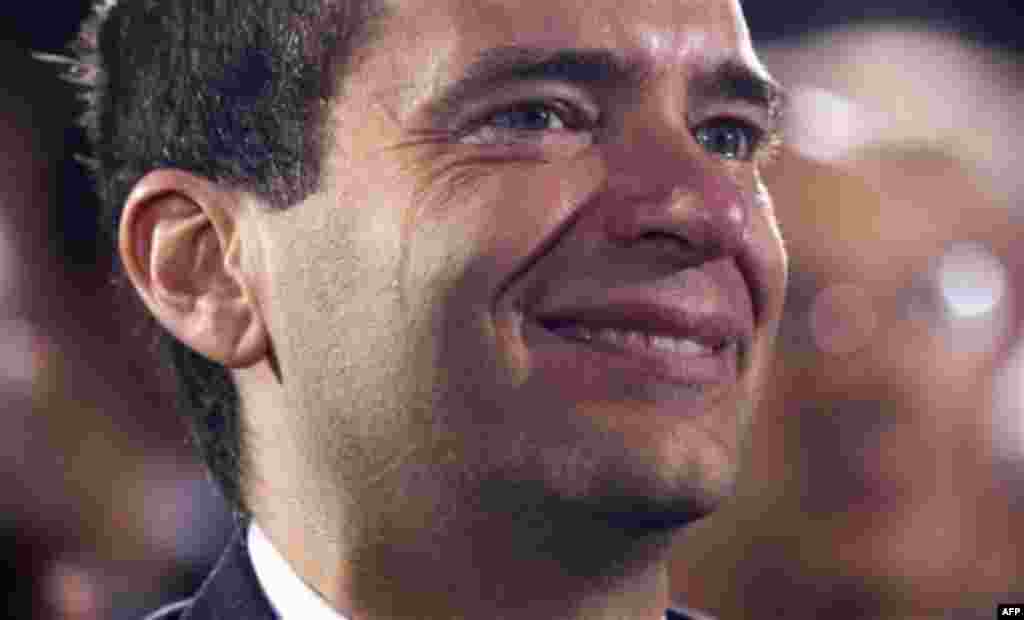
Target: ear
{"x": 180, "y": 243}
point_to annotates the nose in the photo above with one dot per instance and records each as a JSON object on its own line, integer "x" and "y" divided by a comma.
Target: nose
{"x": 665, "y": 189}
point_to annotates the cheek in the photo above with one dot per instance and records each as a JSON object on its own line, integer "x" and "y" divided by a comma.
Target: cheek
{"x": 771, "y": 253}
{"x": 495, "y": 220}
{"x": 524, "y": 211}
{"x": 333, "y": 264}
{"x": 769, "y": 267}
{"x": 533, "y": 208}
{"x": 471, "y": 249}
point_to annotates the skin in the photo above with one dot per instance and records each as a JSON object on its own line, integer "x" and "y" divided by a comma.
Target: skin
{"x": 399, "y": 419}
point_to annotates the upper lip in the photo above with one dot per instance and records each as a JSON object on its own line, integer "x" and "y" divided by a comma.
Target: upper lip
{"x": 654, "y": 310}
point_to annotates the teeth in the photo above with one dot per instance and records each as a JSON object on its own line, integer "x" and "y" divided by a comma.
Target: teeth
{"x": 632, "y": 339}
{"x": 621, "y": 338}
{"x": 679, "y": 346}
{"x": 576, "y": 332}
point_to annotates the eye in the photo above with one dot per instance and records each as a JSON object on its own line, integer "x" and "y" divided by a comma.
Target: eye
{"x": 527, "y": 122}
{"x": 729, "y": 138}
{"x": 528, "y": 117}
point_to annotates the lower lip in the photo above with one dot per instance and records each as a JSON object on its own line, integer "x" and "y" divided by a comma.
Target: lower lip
{"x": 598, "y": 364}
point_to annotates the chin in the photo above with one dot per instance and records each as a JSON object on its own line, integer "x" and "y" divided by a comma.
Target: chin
{"x": 665, "y": 505}
{"x": 662, "y": 477}
{"x": 636, "y": 488}
{"x": 656, "y": 508}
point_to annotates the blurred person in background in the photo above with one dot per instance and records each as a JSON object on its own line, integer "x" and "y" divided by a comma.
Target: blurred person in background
{"x": 84, "y": 443}
{"x": 884, "y": 473}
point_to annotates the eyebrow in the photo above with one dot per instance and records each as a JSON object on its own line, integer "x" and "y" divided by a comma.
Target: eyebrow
{"x": 729, "y": 81}
{"x": 733, "y": 81}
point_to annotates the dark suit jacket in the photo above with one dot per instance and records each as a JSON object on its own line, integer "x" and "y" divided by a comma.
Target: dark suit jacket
{"x": 232, "y": 592}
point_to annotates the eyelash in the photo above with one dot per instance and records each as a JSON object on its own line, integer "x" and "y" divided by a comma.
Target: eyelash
{"x": 762, "y": 144}
{"x": 573, "y": 118}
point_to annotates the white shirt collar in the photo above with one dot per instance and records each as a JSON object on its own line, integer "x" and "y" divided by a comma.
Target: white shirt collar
{"x": 290, "y": 597}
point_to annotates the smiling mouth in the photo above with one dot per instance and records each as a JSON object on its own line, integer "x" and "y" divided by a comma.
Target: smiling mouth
{"x": 603, "y": 355}
{"x": 632, "y": 341}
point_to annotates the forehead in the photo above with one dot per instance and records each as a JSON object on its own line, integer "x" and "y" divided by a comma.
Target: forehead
{"x": 427, "y": 41}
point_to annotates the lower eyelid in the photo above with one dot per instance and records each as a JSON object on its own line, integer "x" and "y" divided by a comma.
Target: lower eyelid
{"x": 539, "y": 144}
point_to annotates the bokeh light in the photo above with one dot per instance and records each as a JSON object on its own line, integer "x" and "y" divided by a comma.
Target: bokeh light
{"x": 972, "y": 280}
{"x": 973, "y": 284}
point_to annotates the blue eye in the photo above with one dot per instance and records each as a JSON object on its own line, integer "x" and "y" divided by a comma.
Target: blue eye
{"x": 529, "y": 122}
{"x": 729, "y": 138}
{"x": 528, "y": 117}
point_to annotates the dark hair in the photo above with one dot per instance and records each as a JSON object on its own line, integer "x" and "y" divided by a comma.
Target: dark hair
{"x": 235, "y": 91}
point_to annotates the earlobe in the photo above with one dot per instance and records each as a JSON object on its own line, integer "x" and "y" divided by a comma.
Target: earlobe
{"x": 180, "y": 244}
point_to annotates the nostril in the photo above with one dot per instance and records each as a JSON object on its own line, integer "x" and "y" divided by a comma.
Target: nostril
{"x": 673, "y": 246}
{"x": 657, "y": 236}
{"x": 664, "y": 241}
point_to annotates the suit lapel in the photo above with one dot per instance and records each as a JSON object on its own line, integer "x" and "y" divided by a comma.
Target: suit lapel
{"x": 232, "y": 590}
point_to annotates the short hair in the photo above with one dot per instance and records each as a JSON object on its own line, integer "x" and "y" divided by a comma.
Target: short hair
{"x": 234, "y": 91}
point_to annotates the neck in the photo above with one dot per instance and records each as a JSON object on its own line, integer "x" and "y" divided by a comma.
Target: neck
{"x": 504, "y": 564}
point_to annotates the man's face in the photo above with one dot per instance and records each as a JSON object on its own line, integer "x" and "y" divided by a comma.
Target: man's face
{"x": 436, "y": 309}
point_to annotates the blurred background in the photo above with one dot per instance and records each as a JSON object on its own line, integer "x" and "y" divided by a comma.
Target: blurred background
{"x": 885, "y": 475}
